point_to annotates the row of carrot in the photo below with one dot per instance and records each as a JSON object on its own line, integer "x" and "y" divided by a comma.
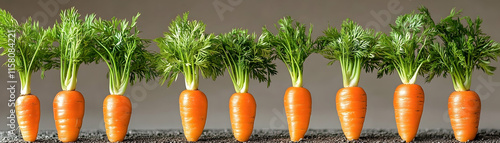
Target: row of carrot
{"x": 186, "y": 49}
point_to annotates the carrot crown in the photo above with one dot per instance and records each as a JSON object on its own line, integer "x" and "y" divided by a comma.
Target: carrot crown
{"x": 31, "y": 45}
{"x": 353, "y": 46}
{"x": 187, "y": 49}
{"x": 244, "y": 58}
{"x": 124, "y": 52}
{"x": 75, "y": 45}
{"x": 292, "y": 45}
{"x": 464, "y": 48}
{"x": 405, "y": 48}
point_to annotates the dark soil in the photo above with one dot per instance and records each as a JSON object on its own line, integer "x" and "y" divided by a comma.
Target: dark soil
{"x": 369, "y": 135}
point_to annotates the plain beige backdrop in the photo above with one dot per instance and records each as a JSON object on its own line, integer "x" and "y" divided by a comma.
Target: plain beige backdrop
{"x": 156, "y": 107}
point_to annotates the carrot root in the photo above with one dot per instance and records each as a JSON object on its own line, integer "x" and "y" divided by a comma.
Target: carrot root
{"x": 298, "y": 111}
{"x": 193, "y": 106}
{"x": 28, "y": 116}
{"x": 117, "y": 110}
{"x": 464, "y": 108}
{"x": 408, "y": 107}
{"x": 242, "y": 108}
{"x": 351, "y": 108}
{"x": 69, "y": 108}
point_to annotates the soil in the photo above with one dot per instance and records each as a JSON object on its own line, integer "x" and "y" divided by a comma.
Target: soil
{"x": 369, "y": 135}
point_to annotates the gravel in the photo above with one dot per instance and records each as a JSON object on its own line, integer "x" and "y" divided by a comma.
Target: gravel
{"x": 368, "y": 135}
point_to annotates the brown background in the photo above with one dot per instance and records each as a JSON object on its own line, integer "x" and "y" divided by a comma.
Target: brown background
{"x": 156, "y": 107}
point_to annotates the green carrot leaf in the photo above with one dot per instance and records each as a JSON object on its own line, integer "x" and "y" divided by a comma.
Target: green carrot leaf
{"x": 405, "y": 49}
{"x": 245, "y": 58}
{"x": 76, "y": 43}
{"x": 292, "y": 44}
{"x": 31, "y": 47}
{"x": 353, "y": 47}
{"x": 187, "y": 49}
{"x": 124, "y": 52}
{"x": 465, "y": 47}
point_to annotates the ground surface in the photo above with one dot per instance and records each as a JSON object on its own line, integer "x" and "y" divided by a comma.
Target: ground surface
{"x": 370, "y": 135}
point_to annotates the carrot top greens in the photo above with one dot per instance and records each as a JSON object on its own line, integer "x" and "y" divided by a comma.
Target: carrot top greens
{"x": 124, "y": 52}
{"x": 292, "y": 45}
{"x": 405, "y": 48}
{"x": 465, "y": 47}
{"x": 353, "y": 46}
{"x": 187, "y": 49}
{"x": 31, "y": 45}
{"x": 75, "y": 38}
{"x": 245, "y": 58}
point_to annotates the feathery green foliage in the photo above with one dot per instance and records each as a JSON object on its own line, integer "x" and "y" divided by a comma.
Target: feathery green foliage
{"x": 124, "y": 52}
{"x": 353, "y": 47}
{"x": 187, "y": 49}
{"x": 464, "y": 48}
{"x": 31, "y": 45}
{"x": 292, "y": 45}
{"x": 405, "y": 48}
{"x": 245, "y": 58}
{"x": 75, "y": 38}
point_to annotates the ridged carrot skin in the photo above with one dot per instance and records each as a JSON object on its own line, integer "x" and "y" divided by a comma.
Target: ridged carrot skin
{"x": 408, "y": 107}
{"x": 242, "y": 109}
{"x": 28, "y": 116}
{"x": 351, "y": 108}
{"x": 69, "y": 108}
{"x": 117, "y": 110}
{"x": 193, "y": 106}
{"x": 298, "y": 105}
{"x": 464, "y": 108}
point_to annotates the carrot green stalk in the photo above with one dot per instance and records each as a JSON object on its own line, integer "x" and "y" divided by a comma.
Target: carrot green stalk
{"x": 293, "y": 45}
{"x": 465, "y": 47}
{"x": 124, "y": 53}
{"x": 405, "y": 50}
{"x": 32, "y": 48}
{"x": 244, "y": 59}
{"x": 354, "y": 48}
{"x": 74, "y": 37}
{"x": 187, "y": 49}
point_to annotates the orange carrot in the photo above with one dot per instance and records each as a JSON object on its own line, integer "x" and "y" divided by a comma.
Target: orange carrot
{"x": 28, "y": 116}
{"x": 351, "y": 108}
{"x": 408, "y": 107}
{"x": 69, "y": 107}
{"x": 242, "y": 108}
{"x": 193, "y": 108}
{"x": 464, "y": 108}
{"x": 298, "y": 111}
{"x": 117, "y": 110}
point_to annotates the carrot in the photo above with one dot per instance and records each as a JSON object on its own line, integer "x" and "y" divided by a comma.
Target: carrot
{"x": 292, "y": 45}
{"x": 33, "y": 49}
{"x": 124, "y": 53}
{"x": 351, "y": 108}
{"x": 193, "y": 107}
{"x": 464, "y": 48}
{"x": 117, "y": 110}
{"x": 242, "y": 108}
{"x": 74, "y": 38}
{"x": 244, "y": 59}
{"x": 353, "y": 47}
{"x": 408, "y": 97}
{"x": 298, "y": 104}
{"x": 28, "y": 116}
{"x": 192, "y": 56}
{"x": 410, "y": 58}
{"x": 69, "y": 108}
{"x": 464, "y": 108}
